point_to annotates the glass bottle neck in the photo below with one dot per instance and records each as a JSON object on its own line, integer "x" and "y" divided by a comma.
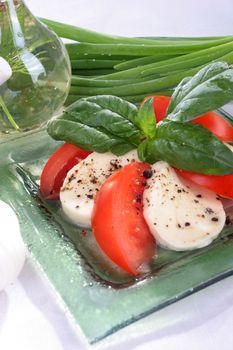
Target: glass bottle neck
{"x": 10, "y": 7}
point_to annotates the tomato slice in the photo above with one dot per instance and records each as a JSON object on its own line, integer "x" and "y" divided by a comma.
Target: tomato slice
{"x": 160, "y": 104}
{"x": 217, "y": 125}
{"x": 222, "y": 185}
{"x": 211, "y": 120}
{"x": 56, "y": 168}
{"x": 118, "y": 223}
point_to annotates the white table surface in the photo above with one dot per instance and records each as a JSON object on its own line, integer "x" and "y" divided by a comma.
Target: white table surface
{"x": 30, "y": 319}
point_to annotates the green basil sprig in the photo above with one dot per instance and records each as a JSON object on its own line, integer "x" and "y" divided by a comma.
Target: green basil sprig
{"x": 86, "y": 137}
{"x": 145, "y": 118}
{"x": 209, "y": 89}
{"x": 109, "y": 112}
{"x": 99, "y": 123}
{"x": 108, "y": 123}
{"x": 188, "y": 146}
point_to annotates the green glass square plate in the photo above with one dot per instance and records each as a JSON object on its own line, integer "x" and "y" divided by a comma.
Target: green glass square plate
{"x": 99, "y": 298}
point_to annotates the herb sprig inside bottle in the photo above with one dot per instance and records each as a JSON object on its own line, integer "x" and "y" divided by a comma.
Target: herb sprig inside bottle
{"x": 5, "y": 74}
{"x": 41, "y": 74}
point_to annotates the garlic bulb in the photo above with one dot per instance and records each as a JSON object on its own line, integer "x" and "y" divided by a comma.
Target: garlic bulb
{"x": 12, "y": 249}
{"x": 5, "y": 71}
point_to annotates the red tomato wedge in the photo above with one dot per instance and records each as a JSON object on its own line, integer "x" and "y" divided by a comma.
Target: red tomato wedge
{"x": 222, "y": 185}
{"x": 118, "y": 223}
{"x": 211, "y": 120}
{"x": 160, "y": 104}
{"x": 56, "y": 168}
{"x": 217, "y": 125}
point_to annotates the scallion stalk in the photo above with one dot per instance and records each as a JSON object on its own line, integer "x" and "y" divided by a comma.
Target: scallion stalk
{"x": 84, "y": 35}
{"x": 131, "y": 98}
{"x": 206, "y": 54}
{"x": 135, "y": 67}
{"x": 93, "y": 63}
{"x": 140, "y": 50}
{"x": 136, "y": 62}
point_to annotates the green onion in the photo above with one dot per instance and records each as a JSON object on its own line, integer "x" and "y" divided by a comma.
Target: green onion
{"x": 84, "y": 35}
{"x": 81, "y": 56}
{"x": 93, "y": 63}
{"x": 183, "y": 38}
{"x": 92, "y": 73}
{"x": 95, "y": 81}
{"x": 145, "y": 87}
{"x": 140, "y": 50}
{"x": 135, "y": 67}
{"x": 180, "y": 61}
{"x": 191, "y": 60}
{"x": 131, "y": 98}
{"x": 85, "y": 81}
{"x": 136, "y": 62}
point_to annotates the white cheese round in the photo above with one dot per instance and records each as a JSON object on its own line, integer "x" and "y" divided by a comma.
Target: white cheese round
{"x": 180, "y": 214}
{"x": 84, "y": 180}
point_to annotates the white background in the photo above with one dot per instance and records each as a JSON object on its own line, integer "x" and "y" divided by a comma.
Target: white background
{"x": 29, "y": 316}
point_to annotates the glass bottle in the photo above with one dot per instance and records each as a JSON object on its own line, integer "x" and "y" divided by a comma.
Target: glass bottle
{"x": 40, "y": 66}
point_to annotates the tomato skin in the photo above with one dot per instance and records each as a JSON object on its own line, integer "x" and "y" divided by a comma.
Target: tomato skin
{"x": 56, "y": 168}
{"x": 211, "y": 120}
{"x": 222, "y": 185}
{"x": 118, "y": 223}
{"x": 160, "y": 104}
{"x": 217, "y": 125}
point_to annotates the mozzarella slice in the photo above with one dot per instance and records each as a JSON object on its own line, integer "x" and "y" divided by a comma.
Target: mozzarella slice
{"x": 85, "y": 179}
{"x": 180, "y": 214}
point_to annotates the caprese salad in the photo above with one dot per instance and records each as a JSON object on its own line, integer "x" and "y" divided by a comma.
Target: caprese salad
{"x": 149, "y": 176}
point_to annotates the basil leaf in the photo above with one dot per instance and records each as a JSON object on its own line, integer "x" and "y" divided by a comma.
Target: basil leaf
{"x": 186, "y": 86}
{"x": 145, "y": 118}
{"x": 86, "y": 137}
{"x": 177, "y": 95}
{"x": 122, "y": 148}
{"x": 190, "y": 147}
{"x": 209, "y": 89}
{"x": 109, "y": 112}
